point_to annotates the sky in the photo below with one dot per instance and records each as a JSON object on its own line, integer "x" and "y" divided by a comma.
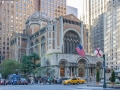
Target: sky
{"x": 77, "y": 4}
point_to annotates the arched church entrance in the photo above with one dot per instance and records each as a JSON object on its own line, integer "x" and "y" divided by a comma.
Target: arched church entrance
{"x": 81, "y": 67}
{"x": 63, "y": 64}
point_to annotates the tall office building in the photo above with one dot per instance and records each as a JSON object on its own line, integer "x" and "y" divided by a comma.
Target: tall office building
{"x": 91, "y": 11}
{"x": 71, "y": 10}
{"x": 13, "y": 15}
{"x": 97, "y": 32}
{"x": 112, "y": 34}
{"x": 53, "y": 8}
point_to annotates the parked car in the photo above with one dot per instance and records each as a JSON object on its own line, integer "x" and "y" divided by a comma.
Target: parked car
{"x": 1, "y": 81}
{"x": 76, "y": 80}
{"x": 23, "y": 81}
{"x": 7, "y": 81}
{"x": 59, "y": 81}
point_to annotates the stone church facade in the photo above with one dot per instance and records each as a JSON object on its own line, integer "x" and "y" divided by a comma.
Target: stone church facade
{"x": 55, "y": 41}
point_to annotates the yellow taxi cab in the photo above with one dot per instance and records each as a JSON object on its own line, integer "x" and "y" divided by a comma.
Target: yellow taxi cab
{"x": 76, "y": 80}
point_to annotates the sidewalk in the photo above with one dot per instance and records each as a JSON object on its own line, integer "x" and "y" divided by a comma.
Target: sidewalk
{"x": 93, "y": 84}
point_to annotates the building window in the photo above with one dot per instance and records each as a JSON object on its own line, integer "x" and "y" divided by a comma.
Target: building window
{"x": 71, "y": 41}
{"x": 42, "y": 45}
{"x": 7, "y": 48}
{"x": 16, "y": 7}
{"x": 25, "y": 5}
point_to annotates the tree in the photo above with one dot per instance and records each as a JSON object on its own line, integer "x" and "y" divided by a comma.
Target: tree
{"x": 9, "y": 67}
{"x": 34, "y": 57}
{"x": 113, "y": 76}
{"x": 26, "y": 65}
{"x": 97, "y": 77}
{"x": 29, "y": 63}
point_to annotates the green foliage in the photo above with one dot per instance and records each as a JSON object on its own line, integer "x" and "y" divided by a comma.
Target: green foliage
{"x": 49, "y": 71}
{"x": 39, "y": 71}
{"x": 34, "y": 57}
{"x": 29, "y": 63}
{"x": 9, "y": 67}
{"x": 97, "y": 76}
{"x": 113, "y": 76}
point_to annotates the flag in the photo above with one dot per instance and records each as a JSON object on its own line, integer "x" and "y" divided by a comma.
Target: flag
{"x": 80, "y": 51}
{"x": 98, "y": 52}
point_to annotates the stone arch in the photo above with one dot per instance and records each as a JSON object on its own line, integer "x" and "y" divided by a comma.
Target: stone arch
{"x": 72, "y": 29}
{"x": 63, "y": 64}
{"x": 42, "y": 45}
{"x": 71, "y": 40}
{"x": 82, "y": 63}
{"x": 86, "y": 60}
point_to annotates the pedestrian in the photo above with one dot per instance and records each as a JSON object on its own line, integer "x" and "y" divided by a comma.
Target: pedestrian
{"x": 90, "y": 79}
{"x": 4, "y": 82}
{"x": 57, "y": 81}
{"x": 44, "y": 80}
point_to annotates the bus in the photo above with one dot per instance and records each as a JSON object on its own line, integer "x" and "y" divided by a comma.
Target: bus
{"x": 14, "y": 78}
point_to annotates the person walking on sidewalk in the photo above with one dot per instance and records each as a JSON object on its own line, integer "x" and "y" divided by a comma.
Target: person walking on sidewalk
{"x": 4, "y": 82}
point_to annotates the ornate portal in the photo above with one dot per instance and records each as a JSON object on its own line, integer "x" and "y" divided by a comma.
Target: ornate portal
{"x": 62, "y": 69}
{"x": 81, "y": 69}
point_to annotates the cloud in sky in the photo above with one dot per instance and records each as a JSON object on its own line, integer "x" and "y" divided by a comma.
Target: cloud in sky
{"x": 77, "y": 4}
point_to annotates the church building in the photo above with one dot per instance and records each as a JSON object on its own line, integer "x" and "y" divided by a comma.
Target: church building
{"x": 55, "y": 41}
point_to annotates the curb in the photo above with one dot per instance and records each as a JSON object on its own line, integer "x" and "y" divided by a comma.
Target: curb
{"x": 115, "y": 87}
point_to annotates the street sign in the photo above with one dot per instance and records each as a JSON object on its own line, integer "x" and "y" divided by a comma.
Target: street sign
{"x": 105, "y": 67}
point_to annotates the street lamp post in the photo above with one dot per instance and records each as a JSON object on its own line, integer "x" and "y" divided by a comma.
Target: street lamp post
{"x": 104, "y": 85}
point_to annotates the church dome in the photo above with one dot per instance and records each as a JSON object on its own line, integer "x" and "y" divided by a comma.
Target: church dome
{"x": 38, "y": 16}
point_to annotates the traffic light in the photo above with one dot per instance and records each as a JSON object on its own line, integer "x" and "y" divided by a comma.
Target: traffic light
{"x": 103, "y": 56}
{"x": 108, "y": 71}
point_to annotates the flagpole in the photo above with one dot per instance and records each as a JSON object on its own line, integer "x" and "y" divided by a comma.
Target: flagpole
{"x": 104, "y": 85}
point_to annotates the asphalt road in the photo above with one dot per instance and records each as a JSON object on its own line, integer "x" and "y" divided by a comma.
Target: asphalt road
{"x": 50, "y": 87}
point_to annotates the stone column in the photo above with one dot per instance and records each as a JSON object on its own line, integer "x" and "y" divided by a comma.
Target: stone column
{"x": 77, "y": 71}
{"x": 74, "y": 71}
{"x": 65, "y": 71}
{"x": 61, "y": 33}
{"x": 71, "y": 72}
{"x": 59, "y": 72}
{"x": 32, "y": 29}
{"x": 86, "y": 73}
